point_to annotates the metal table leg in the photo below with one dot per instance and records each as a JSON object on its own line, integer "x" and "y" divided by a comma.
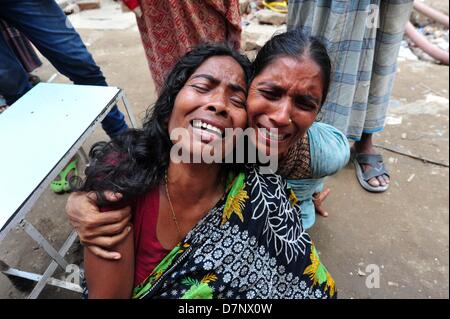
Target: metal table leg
{"x": 52, "y": 267}
{"x": 42, "y": 242}
{"x": 130, "y": 113}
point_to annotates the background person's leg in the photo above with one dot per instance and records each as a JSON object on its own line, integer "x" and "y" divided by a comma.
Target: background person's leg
{"x": 48, "y": 28}
{"x": 394, "y": 14}
{"x": 13, "y": 77}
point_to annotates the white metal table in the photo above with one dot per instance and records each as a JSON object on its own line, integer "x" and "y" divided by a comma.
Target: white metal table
{"x": 39, "y": 134}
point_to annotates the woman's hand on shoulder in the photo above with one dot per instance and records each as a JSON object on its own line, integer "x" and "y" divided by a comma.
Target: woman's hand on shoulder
{"x": 98, "y": 231}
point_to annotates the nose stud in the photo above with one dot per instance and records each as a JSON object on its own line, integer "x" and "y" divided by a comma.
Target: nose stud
{"x": 290, "y": 120}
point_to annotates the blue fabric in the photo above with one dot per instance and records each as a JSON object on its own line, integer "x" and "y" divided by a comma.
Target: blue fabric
{"x": 47, "y": 27}
{"x": 304, "y": 189}
{"x": 363, "y": 56}
{"x": 330, "y": 152}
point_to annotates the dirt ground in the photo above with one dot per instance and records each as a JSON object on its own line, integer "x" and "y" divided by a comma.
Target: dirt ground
{"x": 404, "y": 232}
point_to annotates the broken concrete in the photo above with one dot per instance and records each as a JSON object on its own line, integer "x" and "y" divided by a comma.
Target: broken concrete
{"x": 109, "y": 17}
{"x": 271, "y": 17}
{"x": 255, "y": 35}
{"x": 244, "y": 6}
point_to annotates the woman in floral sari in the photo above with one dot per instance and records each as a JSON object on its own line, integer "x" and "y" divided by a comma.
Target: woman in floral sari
{"x": 310, "y": 152}
{"x": 250, "y": 245}
{"x": 229, "y": 232}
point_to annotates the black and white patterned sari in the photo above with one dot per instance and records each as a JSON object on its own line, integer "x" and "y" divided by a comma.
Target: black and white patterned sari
{"x": 250, "y": 245}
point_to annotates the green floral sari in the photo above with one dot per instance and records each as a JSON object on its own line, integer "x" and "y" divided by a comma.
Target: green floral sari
{"x": 250, "y": 245}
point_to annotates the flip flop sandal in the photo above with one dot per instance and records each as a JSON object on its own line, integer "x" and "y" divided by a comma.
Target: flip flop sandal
{"x": 377, "y": 169}
{"x": 277, "y": 6}
{"x": 63, "y": 184}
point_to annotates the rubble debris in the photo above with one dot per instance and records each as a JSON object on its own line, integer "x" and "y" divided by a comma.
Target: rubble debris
{"x": 75, "y": 6}
{"x": 71, "y": 8}
{"x": 432, "y": 13}
{"x": 251, "y": 55}
{"x": 255, "y": 35}
{"x": 361, "y": 273}
{"x": 244, "y": 6}
{"x": 393, "y": 284}
{"x": 394, "y": 120}
{"x": 435, "y": 36}
{"x": 428, "y": 39}
{"x": 405, "y": 53}
{"x": 266, "y": 16}
{"x": 88, "y": 4}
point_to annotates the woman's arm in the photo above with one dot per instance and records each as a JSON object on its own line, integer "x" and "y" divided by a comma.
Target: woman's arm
{"x": 97, "y": 231}
{"x": 111, "y": 278}
{"x": 329, "y": 150}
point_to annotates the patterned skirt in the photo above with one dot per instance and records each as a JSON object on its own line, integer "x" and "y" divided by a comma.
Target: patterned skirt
{"x": 363, "y": 39}
{"x": 171, "y": 28}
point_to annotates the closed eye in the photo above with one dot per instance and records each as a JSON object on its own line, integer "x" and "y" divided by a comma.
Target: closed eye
{"x": 200, "y": 88}
{"x": 270, "y": 94}
{"x": 306, "y": 106}
{"x": 306, "y": 103}
{"x": 238, "y": 102}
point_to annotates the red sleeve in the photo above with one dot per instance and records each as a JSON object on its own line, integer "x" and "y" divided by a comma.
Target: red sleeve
{"x": 131, "y": 4}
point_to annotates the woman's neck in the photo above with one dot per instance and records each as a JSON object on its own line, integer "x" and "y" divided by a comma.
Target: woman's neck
{"x": 192, "y": 182}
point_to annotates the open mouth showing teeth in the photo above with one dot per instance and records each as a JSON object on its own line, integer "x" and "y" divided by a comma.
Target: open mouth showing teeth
{"x": 272, "y": 135}
{"x": 207, "y": 127}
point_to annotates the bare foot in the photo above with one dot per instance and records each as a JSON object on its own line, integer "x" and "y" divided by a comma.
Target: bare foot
{"x": 318, "y": 199}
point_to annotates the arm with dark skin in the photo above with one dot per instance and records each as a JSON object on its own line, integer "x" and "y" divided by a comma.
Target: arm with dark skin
{"x": 111, "y": 278}
{"x": 98, "y": 232}
{"x": 101, "y": 233}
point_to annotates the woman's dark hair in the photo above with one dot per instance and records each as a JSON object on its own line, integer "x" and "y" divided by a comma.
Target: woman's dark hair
{"x": 136, "y": 161}
{"x": 297, "y": 45}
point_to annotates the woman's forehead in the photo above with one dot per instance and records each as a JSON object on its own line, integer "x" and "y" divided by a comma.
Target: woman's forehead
{"x": 296, "y": 66}
{"x": 288, "y": 70}
{"x": 223, "y": 68}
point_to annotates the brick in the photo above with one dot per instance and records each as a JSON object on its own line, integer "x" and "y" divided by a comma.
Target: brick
{"x": 89, "y": 4}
